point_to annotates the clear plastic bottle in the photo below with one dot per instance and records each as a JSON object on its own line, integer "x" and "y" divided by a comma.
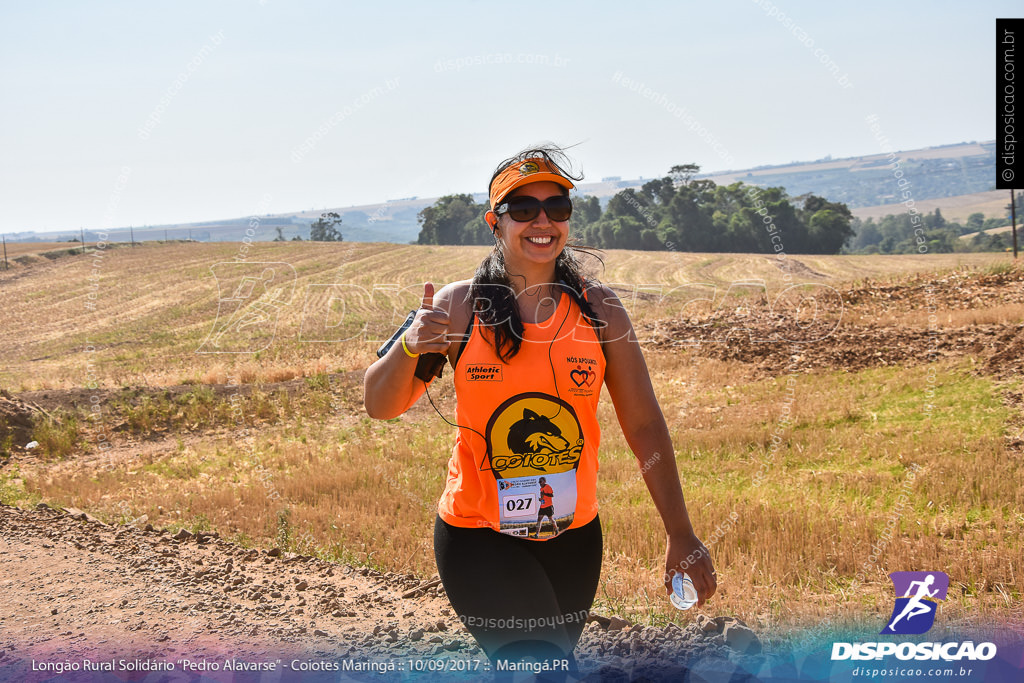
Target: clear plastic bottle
{"x": 684, "y": 595}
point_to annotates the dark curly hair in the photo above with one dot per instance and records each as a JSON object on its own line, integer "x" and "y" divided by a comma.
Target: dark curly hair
{"x": 492, "y": 294}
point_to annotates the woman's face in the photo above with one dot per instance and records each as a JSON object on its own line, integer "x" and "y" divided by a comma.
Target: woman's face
{"x": 539, "y": 241}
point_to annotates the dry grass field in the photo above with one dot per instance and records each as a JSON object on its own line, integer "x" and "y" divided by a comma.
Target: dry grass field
{"x": 228, "y": 397}
{"x": 105, "y": 315}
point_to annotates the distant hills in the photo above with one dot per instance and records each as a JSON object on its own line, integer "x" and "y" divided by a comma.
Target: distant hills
{"x": 934, "y": 172}
{"x": 941, "y": 175}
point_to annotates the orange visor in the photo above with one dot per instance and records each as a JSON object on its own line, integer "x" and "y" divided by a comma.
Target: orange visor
{"x": 529, "y": 171}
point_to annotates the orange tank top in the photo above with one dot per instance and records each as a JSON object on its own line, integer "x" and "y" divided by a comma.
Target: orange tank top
{"x": 533, "y": 417}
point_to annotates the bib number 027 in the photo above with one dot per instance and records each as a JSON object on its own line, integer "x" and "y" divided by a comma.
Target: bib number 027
{"x": 519, "y": 506}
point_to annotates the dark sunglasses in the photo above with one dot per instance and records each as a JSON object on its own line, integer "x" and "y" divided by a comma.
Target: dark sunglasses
{"x": 523, "y": 209}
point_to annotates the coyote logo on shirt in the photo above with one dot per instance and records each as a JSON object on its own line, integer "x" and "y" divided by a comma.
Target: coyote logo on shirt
{"x": 533, "y": 434}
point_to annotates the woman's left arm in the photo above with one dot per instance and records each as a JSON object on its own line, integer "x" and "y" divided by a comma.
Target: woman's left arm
{"x": 643, "y": 424}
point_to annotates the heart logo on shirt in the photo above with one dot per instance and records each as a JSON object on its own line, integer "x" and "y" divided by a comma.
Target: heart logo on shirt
{"x": 579, "y": 376}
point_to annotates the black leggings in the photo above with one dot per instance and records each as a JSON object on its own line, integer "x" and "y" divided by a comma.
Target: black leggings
{"x": 520, "y": 597}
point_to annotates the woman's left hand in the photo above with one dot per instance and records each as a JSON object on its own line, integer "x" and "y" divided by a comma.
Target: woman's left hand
{"x": 685, "y": 553}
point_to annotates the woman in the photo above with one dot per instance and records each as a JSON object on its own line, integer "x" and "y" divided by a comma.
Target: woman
{"x": 539, "y": 342}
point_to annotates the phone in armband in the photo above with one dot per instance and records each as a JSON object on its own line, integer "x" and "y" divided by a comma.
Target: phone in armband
{"x": 429, "y": 365}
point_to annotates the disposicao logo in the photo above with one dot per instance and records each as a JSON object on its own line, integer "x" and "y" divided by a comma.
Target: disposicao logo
{"x": 917, "y": 596}
{"x": 913, "y": 613}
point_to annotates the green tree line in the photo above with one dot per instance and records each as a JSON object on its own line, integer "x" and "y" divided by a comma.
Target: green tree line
{"x": 675, "y": 213}
{"x": 898, "y": 234}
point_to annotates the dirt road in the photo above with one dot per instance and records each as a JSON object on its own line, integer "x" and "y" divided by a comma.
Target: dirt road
{"x": 76, "y": 590}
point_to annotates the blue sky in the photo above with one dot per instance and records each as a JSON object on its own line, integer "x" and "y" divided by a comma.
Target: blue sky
{"x": 143, "y": 113}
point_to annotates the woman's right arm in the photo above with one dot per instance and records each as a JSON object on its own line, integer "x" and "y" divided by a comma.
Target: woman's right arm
{"x": 389, "y": 387}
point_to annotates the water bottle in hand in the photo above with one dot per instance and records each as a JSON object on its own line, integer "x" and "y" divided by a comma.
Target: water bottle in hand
{"x": 684, "y": 595}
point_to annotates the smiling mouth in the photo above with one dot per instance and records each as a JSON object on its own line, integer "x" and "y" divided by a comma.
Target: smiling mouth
{"x": 546, "y": 239}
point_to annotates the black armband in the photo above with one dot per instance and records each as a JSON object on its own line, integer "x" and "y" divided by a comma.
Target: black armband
{"x": 428, "y": 366}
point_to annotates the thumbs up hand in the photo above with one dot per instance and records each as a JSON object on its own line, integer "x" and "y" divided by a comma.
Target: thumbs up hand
{"x": 429, "y": 331}
{"x": 428, "y": 296}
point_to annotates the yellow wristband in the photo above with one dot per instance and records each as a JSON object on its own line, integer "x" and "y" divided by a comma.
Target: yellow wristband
{"x": 406, "y": 348}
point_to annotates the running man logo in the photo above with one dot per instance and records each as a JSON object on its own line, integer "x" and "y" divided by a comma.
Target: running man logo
{"x": 914, "y": 612}
{"x": 249, "y": 302}
{"x": 533, "y": 433}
